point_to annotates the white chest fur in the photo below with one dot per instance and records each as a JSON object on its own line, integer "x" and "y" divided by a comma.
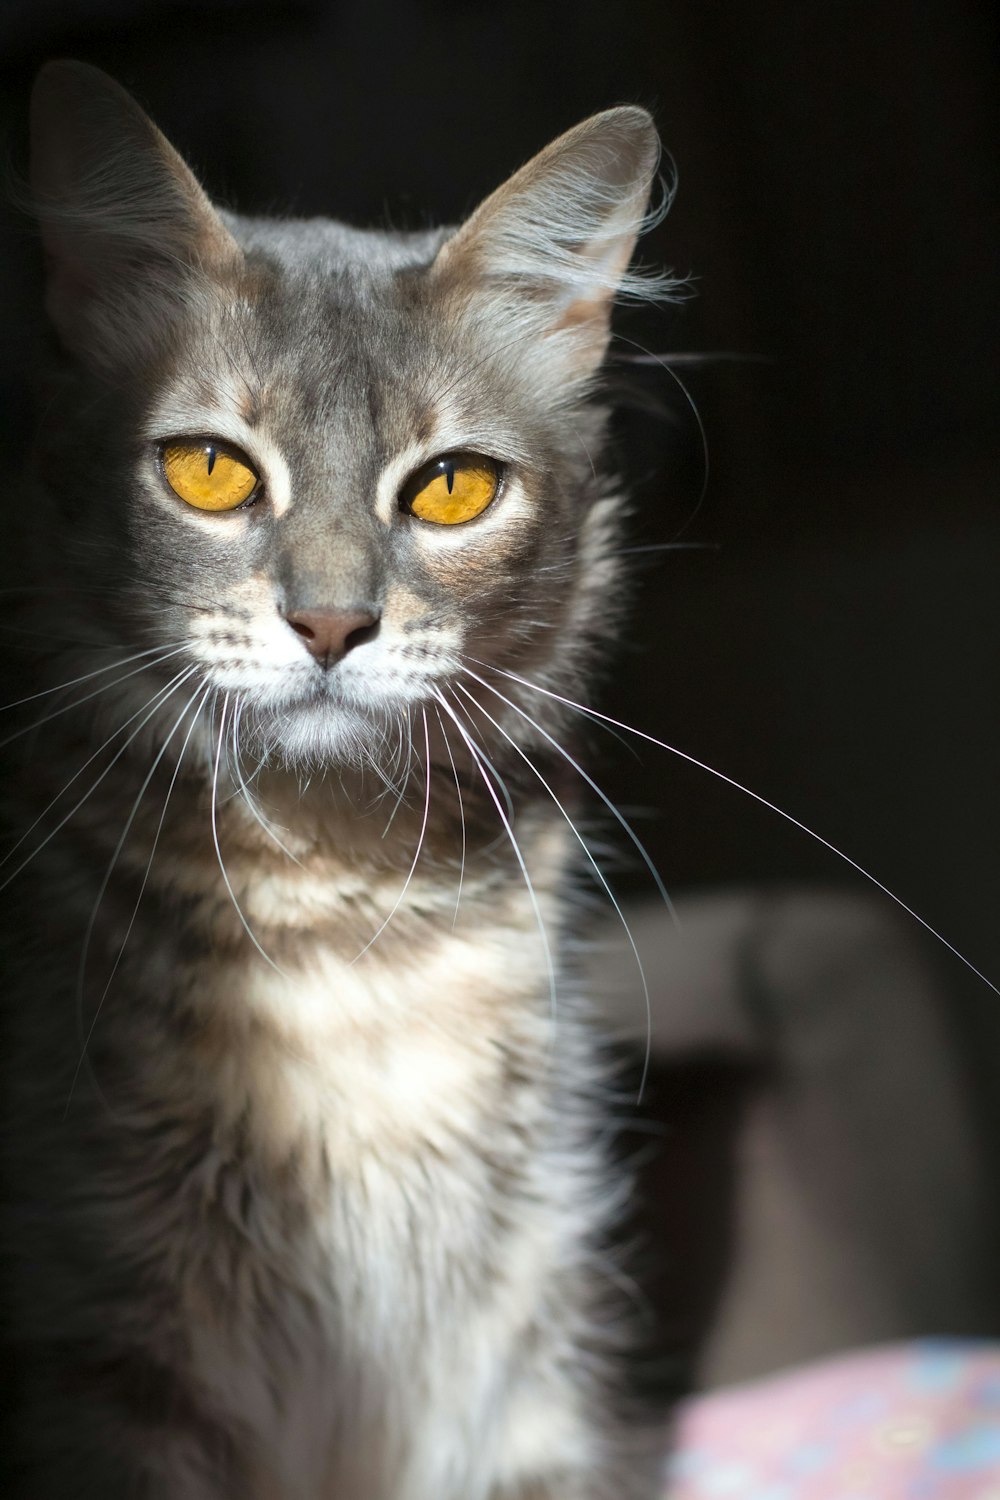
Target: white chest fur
{"x": 393, "y": 1115}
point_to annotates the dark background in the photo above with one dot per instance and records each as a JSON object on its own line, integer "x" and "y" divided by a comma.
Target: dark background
{"x": 835, "y": 642}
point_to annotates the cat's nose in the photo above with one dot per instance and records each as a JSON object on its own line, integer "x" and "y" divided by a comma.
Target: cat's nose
{"x": 330, "y": 633}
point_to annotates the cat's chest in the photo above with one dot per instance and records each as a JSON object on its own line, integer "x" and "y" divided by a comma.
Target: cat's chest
{"x": 368, "y": 1156}
{"x": 394, "y": 1058}
{"x": 352, "y": 1106}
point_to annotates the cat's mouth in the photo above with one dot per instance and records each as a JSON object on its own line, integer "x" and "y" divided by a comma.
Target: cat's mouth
{"x": 374, "y": 694}
{"x": 333, "y": 719}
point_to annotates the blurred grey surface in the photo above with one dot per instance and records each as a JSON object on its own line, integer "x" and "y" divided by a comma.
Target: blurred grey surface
{"x": 859, "y": 1211}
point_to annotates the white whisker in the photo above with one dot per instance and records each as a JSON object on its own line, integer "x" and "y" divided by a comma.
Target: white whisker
{"x": 218, "y": 851}
{"x": 150, "y": 709}
{"x": 86, "y": 677}
{"x": 82, "y": 970}
{"x": 461, "y": 810}
{"x": 478, "y": 758}
{"x": 404, "y": 780}
{"x": 763, "y": 802}
{"x": 420, "y": 844}
{"x": 703, "y": 435}
{"x": 484, "y": 757}
{"x": 615, "y": 812}
{"x": 597, "y": 871}
{"x": 248, "y": 797}
{"x": 104, "y": 688}
{"x": 385, "y": 775}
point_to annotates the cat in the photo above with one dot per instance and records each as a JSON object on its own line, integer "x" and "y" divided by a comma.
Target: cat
{"x": 310, "y": 1188}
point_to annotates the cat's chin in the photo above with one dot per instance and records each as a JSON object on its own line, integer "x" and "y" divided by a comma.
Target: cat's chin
{"x": 316, "y": 734}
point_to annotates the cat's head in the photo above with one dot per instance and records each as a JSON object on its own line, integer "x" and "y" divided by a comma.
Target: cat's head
{"x": 329, "y": 469}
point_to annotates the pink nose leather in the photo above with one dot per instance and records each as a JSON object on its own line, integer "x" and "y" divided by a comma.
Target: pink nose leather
{"x": 330, "y": 633}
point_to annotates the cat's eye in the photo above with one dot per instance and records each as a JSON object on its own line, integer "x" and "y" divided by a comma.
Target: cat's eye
{"x": 207, "y": 474}
{"x": 452, "y": 489}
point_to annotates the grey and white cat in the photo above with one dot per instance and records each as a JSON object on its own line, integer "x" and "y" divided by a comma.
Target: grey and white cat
{"x": 309, "y": 1191}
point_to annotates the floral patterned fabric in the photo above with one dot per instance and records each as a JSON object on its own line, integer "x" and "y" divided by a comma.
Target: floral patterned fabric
{"x": 908, "y": 1422}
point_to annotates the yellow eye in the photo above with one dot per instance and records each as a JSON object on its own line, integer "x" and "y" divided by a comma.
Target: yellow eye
{"x": 452, "y": 489}
{"x": 208, "y": 475}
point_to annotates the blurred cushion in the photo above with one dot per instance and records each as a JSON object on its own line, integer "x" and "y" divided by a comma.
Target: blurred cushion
{"x": 916, "y": 1421}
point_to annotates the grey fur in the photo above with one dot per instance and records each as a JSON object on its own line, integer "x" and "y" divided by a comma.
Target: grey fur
{"x": 307, "y": 1182}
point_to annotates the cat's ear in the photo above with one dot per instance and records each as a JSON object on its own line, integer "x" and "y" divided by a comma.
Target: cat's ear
{"x": 124, "y": 222}
{"x": 554, "y": 242}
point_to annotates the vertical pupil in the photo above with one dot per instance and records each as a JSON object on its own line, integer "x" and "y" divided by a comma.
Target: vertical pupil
{"x": 211, "y": 458}
{"x": 449, "y": 474}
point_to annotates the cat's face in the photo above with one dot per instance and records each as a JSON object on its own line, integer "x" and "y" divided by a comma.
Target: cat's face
{"x": 344, "y": 394}
{"x": 329, "y": 470}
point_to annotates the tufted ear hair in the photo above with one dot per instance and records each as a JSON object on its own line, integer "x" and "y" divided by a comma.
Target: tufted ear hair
{"x": 554, "y": 242}
{"x": 125, "y": 224}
